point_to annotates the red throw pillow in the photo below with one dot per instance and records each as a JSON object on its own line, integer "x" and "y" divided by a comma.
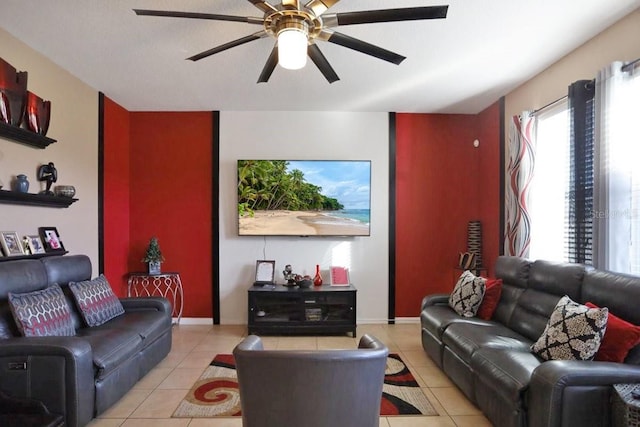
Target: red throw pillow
{"x": 492, "y": 292}
{"x": 620, "y": 337}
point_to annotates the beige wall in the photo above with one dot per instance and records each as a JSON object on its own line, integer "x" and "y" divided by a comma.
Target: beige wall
{"x": 620, "y": 42}
{"x": 74, "y": 124}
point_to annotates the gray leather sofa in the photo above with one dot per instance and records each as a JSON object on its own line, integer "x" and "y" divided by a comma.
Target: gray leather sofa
{"x": 80, "y": 376}
{"x": 491, "y": 363}
{"x": 320, "y": 388}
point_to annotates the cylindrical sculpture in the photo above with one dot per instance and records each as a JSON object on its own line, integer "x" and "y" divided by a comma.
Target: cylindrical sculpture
{"x": 474, "y": 241}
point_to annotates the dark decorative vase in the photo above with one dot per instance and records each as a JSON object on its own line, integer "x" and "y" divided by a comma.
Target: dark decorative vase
{"x": 38, "y": 114}
{"x": 317, "y": 279}
{"x": 13, "y": 86}
{"x": 21, "y": 184}
{"x": 474, "y": 242}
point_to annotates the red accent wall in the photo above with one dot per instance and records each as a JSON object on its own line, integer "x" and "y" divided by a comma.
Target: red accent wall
{"x": 116, "y": 195}
{"x": 170, "y": 184}
{"x": 442, "y": 182}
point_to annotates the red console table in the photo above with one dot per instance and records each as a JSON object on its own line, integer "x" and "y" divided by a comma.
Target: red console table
{"x": 167, "y": 285}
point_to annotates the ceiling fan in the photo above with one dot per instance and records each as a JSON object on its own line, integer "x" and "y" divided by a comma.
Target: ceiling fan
{"x": 297, "y": 28}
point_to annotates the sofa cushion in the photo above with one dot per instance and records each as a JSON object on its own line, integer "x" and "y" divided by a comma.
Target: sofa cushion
{"x": 148, "y": 324}
{"x": 467, "y": 294}
{"x": 436, "y": 318}
{"x": 620, "y": 337}
{"x": 465, "y": 338}
{"x": 618, "y": 292}
{"x": 42, "y": 313}
{"x": 505, "y": 371}
{"x": 574, "y": 332}
{"x": 492, "y": 292}
{"x": 514, "y": 272}
{"x": 111, "y": 347}
{"x": 96, "y": 300}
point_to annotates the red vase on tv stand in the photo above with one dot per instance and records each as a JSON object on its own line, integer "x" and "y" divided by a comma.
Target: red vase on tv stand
{"x": 317, "y": 279}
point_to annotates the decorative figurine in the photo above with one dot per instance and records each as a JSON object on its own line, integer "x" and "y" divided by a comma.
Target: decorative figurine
{"x": 288, "y": 274}
{"x": 49, "y": 174}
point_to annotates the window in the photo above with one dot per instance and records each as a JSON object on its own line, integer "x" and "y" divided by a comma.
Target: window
{"x": 617, "y": 206}
{"x": 550, "y": 185}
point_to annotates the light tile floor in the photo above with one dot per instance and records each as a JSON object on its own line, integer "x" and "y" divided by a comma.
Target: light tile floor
{"x": 154, "y": 398}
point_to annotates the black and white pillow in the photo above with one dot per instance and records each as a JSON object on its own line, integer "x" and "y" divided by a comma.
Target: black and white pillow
{"x": 467, "y": 294}
{"x": 574, "y": 332}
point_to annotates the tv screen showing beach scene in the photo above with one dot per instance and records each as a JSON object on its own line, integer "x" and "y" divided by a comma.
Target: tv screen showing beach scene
{"x": 304, "y": 197}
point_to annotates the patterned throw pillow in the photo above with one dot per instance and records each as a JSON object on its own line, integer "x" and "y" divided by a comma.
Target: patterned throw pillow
{"x": 574, "y": 332}
{"x": 42, "y": 313}
{"x": 467, "y": 294}
{"x": 96, "y": 300}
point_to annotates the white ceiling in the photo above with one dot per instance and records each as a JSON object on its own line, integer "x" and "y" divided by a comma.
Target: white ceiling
{"x": 461, "y": 64}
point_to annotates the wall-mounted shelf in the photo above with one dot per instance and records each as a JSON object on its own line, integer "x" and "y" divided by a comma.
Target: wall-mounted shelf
{"x": 35, "y": 256}
{"x": 13, "y": 197}
{"x": 24, "y": 136}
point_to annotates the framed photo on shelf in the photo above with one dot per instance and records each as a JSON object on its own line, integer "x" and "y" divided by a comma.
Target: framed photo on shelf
{"x": 11, "y": 243}
{"x": 35, "y": 244}
{"x": 265, "y": 271}
{"x": 51, "y": 239}
{"x": 339, "y": 276}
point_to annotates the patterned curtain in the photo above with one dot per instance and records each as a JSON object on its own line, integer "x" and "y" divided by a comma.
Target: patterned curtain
{"x": 520, "y": 163}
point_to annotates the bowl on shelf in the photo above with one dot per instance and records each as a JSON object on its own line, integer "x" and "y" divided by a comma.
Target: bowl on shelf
{"x": 65, "y": 190}
{"x": 304, "y": 283}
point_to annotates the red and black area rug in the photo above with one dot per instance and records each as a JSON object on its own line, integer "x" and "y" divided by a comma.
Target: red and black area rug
{"x": 215, "y": 394}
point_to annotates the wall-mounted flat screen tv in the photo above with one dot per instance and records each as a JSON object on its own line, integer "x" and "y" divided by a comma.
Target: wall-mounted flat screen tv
{"x": 304, "y": 197}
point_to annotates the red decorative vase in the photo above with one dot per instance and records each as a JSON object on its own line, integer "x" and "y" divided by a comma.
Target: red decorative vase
{"x": 317, "y": 279}
{"x": 38, "y": 114}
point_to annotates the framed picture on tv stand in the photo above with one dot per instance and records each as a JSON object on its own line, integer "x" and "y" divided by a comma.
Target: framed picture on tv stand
{"x": 340, "y": 276}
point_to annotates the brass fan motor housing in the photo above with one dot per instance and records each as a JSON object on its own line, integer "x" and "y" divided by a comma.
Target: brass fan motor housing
{"x": 307, "y": 22}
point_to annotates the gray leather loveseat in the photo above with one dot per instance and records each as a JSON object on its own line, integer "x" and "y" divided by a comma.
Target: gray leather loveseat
{"x": 491, "y": 361}
{"x": 77, "y": 376}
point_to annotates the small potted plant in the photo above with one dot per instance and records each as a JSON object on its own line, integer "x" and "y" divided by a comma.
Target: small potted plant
{"x": 153, "y": 256}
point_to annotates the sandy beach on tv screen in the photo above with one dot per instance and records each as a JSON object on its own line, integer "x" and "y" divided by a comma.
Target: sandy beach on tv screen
{"x": 299, "y": 223}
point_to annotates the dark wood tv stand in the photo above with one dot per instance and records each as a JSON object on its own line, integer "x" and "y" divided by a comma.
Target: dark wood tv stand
{"x": 277, "y": 309}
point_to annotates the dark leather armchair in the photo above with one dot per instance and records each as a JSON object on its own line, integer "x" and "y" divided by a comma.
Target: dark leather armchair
{"x": 15, "y": 412}
{"x": 311, "y": 388}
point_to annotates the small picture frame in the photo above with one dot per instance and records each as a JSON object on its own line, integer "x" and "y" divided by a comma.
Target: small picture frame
{"x": 11, "y": 243}
{"x": 265, "y": 271}
{"x": 35, "y": 244}
{"x": 51, "y": 239}
{"x": 340, "y": 276}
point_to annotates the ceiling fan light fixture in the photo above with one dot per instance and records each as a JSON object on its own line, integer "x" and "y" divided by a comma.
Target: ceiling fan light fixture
{"x": 293, "y": 41}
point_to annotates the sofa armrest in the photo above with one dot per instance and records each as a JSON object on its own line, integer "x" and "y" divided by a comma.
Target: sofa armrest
{"x": 146, "y": 303}
{"x": 434, "y": 299}
{"x": 557, "y": 386}
{"x": 58, "y": 371}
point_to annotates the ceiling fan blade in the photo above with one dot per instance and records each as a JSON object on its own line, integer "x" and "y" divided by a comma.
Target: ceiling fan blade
{"x": 321, "y": 62}
{"x": 386, "y": 15}
{"x": 272, "y": 61}
{"x": 320, "y": 6}
{"x": 196, "y": 15}
{"x": 263, "y": 6}
{"x": 229, "y": 45}
{"x": 361, "y": 46}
